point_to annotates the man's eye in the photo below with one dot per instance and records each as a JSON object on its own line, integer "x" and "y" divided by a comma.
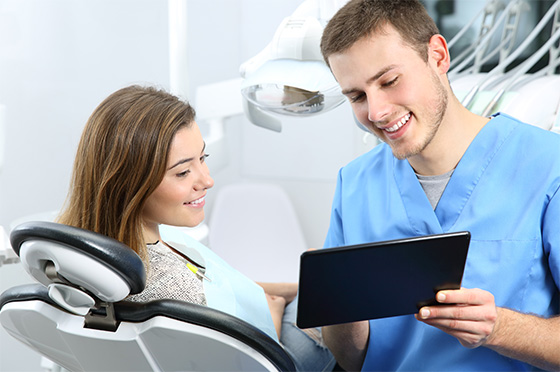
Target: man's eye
{"x": 390, "y": 83}
{"x": 357, "y": 98}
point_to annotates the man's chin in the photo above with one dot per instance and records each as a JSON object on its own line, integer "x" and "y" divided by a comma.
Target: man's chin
{"x": 402, "y": 154}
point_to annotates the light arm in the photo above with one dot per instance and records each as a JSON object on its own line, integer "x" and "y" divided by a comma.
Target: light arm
{"x": 286, "y": 290}
{"x": 528, "y": 338}
{"x": 472, "y": 317}
{"x": 348, "y": 343}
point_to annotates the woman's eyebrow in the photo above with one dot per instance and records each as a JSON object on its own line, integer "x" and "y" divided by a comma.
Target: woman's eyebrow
{"x": 183, "y": 161}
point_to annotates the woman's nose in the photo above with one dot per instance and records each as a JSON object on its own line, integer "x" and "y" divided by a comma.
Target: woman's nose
{"x": 204, "y": 180}
{"x": 208, "y": 181}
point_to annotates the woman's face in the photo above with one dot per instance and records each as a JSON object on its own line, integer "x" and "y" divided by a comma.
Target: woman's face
{"x": 179, "y": 198}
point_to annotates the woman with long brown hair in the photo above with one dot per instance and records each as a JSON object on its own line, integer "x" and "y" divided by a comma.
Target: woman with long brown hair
{"x": 140, "y": 164}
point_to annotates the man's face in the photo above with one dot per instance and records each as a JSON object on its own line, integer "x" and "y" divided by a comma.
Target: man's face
{"x": 393, "y": 91}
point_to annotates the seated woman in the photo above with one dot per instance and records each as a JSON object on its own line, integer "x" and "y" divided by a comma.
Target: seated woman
{"x": 141, "y": 164}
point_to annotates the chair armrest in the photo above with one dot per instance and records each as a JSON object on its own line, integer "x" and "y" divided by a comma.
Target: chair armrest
{"x": 134, "y": 312}
{"x": 26, "y": 292}
{"x": 210, "y": 318}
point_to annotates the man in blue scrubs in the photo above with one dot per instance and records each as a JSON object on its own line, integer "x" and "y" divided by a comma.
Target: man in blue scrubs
{"x": 441, "y": 169}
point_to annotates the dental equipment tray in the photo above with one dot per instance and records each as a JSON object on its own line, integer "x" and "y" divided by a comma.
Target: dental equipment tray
{"x": 377, "y": 280}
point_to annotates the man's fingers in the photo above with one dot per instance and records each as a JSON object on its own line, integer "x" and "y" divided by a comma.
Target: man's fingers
{"x": 461, "y": 312}
{"x": 465, "y": 296}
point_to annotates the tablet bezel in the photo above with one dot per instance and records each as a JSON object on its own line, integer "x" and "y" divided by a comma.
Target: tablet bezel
{"x": 335, "y": 286}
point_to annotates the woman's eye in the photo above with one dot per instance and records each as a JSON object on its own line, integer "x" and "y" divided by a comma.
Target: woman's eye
{"x": 184, "y": 173}
{"x": 203, "y": 158}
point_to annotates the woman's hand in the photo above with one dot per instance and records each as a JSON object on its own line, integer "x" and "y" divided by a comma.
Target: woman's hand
{"x": 276, "y": 304}
{"x": 286, "y": 290}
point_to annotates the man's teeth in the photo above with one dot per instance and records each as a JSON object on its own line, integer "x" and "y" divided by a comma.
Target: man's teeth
{"x": 397, "y": 126}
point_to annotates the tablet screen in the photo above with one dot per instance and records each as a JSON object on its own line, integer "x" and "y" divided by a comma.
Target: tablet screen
{"x": 377, "y": 280}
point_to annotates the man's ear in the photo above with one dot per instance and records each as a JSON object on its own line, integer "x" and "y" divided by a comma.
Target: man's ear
{"x": 438, "y": 53}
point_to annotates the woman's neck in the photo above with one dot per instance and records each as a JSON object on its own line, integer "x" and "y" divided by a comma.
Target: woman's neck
{"x": 151, "y": 232}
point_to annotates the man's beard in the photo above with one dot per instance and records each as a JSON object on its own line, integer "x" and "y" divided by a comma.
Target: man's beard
{"x": 441, "y": 109}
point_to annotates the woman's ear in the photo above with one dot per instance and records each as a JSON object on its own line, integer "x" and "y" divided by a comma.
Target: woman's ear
{"x": 439, "y": 53}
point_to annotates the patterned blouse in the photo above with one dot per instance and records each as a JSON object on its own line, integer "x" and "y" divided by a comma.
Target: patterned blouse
{"x": 169, "y": 277}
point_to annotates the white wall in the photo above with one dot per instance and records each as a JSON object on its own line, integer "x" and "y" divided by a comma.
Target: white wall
{"x": 60, "y": 58}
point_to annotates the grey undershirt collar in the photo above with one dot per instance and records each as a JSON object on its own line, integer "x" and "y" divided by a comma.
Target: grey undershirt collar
{"x": 434, "y": 186}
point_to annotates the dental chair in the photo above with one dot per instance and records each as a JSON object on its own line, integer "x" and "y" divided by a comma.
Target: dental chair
{"x": 76, "y": 316}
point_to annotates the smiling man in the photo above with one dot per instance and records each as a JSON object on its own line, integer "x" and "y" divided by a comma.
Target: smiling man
{"x": 441, "y": 169}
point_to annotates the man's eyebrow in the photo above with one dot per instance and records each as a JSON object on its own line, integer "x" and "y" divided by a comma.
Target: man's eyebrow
{"x": 183, "y": 161}
{"x": 382, "y": 72}
{"x": 375, "y": 77}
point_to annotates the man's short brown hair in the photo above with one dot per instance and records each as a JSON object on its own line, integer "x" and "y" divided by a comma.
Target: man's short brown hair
{"x": 361, "y": 18}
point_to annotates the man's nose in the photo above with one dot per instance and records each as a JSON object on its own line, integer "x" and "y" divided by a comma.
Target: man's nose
{"x": 378, "y": 108}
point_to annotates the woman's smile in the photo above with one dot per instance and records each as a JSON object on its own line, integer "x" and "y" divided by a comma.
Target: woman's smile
{"x": 198, "y": 203}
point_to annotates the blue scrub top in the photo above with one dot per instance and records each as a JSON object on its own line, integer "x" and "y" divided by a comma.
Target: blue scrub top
{"x": 505, "y": 191}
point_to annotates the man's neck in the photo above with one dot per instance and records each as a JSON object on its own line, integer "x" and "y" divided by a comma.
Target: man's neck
{"x": 455, "y": 134}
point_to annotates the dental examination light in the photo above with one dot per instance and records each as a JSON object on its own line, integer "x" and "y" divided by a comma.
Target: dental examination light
{"x": 289, "y": 76}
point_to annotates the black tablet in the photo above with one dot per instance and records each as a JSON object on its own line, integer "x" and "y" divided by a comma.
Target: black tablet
{"x": 377, "y": 280}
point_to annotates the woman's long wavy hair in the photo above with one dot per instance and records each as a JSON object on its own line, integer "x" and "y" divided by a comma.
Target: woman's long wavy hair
{"x": 121, "y": 159}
